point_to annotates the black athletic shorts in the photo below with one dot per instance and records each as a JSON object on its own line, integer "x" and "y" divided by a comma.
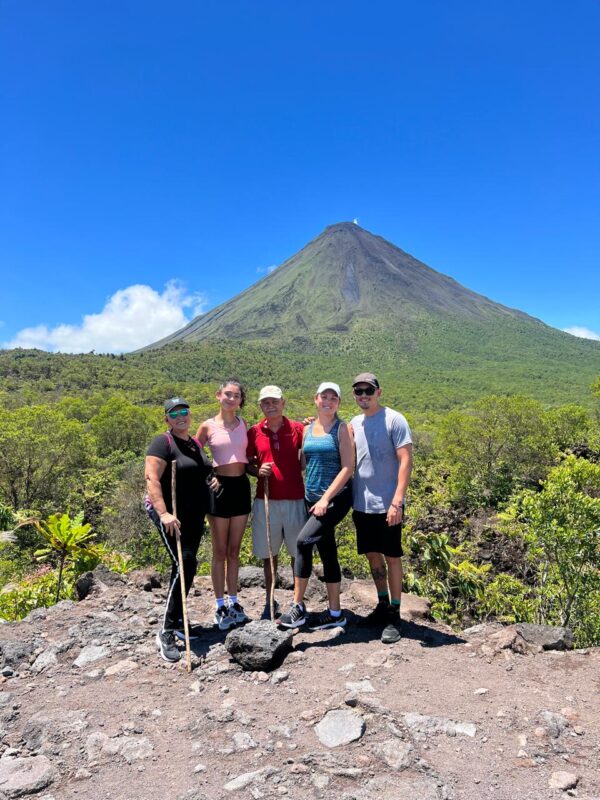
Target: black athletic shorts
{"x": 374, "y": 535}
{"x": 233, "y": 500}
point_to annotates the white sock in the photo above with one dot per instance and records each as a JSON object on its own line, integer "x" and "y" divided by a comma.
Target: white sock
{"x": 220, "y": 602}
{"x": 335, "y": 614}
{"x": 232, "y": 599}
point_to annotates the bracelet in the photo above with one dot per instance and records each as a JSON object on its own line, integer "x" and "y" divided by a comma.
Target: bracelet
{"x": 399, "y": 506}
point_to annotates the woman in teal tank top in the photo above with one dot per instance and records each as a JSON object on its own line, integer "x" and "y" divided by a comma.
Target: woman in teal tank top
{"x": 329, "y": 456}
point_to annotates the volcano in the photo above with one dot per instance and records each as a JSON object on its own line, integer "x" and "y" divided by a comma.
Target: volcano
{"x": 350, "y": 301}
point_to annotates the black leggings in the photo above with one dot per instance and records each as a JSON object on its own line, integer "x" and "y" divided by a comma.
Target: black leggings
{"x": 191, "y": 534}
{"x": 320, "y": 531}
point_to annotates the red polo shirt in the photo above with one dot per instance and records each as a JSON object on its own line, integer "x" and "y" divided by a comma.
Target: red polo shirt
{"x": 283, "y": 449}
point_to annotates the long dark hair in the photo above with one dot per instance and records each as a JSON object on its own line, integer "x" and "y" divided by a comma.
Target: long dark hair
{"x": 240, "y": 386}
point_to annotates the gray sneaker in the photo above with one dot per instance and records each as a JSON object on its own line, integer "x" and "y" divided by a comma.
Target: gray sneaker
{"x": 165, "y": 641}
{"x": 223, "y": 619}
{"x": 391, "y": 632}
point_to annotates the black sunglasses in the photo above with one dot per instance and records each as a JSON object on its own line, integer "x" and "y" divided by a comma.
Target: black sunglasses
{"x": 369, "y": 390}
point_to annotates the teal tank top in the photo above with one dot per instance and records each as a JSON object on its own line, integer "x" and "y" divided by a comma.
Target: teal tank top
{"x": 322, "y": 454}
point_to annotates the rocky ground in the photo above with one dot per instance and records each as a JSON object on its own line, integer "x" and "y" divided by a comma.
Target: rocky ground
{"x": 87, "y": 709}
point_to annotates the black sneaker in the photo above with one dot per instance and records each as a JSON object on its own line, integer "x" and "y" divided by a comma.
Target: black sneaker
{"x": 318, "y": 622}
{"x": 378, "y": 616}
{"x": 294, "y": 617}
{"x": 391, "y": 633}
{"x": 266, "y": 614}
{"x": 165, "y": 641}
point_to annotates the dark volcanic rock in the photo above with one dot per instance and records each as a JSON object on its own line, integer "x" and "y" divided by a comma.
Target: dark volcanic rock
{"x": 250, "y": 577}
{"x": 260, "y": 645}
{"x": 546, "y": 636}
{"x": 13, "y": 653}
{"x": 97, "y": 581}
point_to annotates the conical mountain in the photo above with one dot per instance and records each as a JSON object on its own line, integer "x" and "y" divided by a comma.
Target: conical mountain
{"x": 344, "y": 275}
{"x": 351, "y": 301}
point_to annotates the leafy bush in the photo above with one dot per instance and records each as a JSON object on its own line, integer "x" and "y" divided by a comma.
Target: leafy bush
{"x": 41, "y": 589}
{"x": 561, "y": 526}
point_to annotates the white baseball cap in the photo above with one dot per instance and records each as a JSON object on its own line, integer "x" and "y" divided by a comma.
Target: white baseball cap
{"x": 270, "y": 391}
{"x": 330, "y": 385}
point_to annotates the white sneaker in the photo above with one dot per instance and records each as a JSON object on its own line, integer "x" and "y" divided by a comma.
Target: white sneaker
{"x": 237, "y": 613}
{"x": 223, "y": 619}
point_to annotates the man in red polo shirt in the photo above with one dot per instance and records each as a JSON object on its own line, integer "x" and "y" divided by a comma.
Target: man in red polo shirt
{"x": 274, "y": 451}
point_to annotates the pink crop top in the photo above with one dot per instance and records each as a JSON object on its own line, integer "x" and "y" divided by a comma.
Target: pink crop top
{"x": 227, "y": 447}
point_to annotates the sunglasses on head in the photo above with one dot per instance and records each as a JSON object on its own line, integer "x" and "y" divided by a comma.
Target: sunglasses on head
{"x": 179, "y": 412}
{"x": 369, "y": 390}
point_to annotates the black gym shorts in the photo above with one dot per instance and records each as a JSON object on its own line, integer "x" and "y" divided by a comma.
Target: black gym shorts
{"x": 374, "y": 535}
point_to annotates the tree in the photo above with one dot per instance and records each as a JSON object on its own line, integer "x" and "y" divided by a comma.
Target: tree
{"x": 569, "y": 425}
{"x": 561, "y": 526}
{"x": 502, "y": 443}
{"x": 41, "y": 457}
{"x": 123, "y": 426}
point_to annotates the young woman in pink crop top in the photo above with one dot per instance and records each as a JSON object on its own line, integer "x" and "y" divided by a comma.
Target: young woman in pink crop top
{"x": 227, "y": 438}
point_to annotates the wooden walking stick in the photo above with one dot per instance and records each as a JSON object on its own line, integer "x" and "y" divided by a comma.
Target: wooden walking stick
{"x": 186, "y": 628}
{"x": 268, "y": 521}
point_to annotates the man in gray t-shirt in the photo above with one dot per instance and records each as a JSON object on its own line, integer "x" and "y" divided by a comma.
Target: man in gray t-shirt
{"x": 383, "y": 466}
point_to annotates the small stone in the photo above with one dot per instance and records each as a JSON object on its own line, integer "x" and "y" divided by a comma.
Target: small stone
{"x": 82, "y": 774}
{"x": 89, "y": 654}
{"x": 200, "y": 768}
{"x": 123, "y": 667}
{"x": 279, "y": 676}
{"x": 243, "y": 741}
{"x": 45, "y": 659}
{"x": 136, "y": 749}
{"x": 360, "y": 687}
{"x": 397, "y": 755}
{"x": 563, "y": 780}
{"x": 340, "y": 727}
{"x": 241, "y": 781}
{"x": 481, "y": 691}
{"x": 21, "y": 776}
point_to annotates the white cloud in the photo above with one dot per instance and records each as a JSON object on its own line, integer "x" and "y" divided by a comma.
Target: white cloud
{"x": 133, "y": 317}
{"x": 582, "y": 333}
{"x": 268, "y": 270}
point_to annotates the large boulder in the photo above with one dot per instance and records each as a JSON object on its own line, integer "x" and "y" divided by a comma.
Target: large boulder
{"x": 251, "y": 577}
{"x": 546, "y": 636}
{"x": 97, "y": 582}
{"x": 260, "y": 645}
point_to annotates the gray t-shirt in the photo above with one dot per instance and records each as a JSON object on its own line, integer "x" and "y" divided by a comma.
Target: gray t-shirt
{"x": 377, "y": 438}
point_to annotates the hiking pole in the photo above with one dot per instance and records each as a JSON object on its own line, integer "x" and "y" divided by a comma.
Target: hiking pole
{"x": 186, "y": 628}
{"x": 268, "y": 522}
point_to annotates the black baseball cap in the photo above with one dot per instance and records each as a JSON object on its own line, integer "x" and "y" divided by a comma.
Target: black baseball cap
{"x": 173, "y": 402}
{"x": 366, "y": 377}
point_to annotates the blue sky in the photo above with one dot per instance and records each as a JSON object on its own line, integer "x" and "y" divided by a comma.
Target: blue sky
{"x": 158, "y": 159}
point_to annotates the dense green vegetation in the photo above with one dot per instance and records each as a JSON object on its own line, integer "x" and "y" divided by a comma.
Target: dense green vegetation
{"x": 504, "y": 508}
